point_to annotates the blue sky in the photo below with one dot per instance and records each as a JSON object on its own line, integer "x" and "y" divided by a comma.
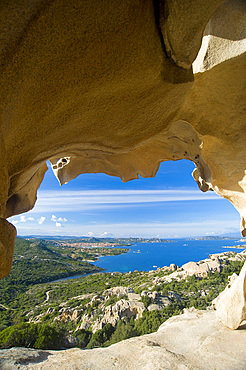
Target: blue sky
{"x": 167, "y": 206}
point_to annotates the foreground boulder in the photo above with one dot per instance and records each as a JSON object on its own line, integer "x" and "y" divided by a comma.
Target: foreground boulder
{"x": 231, "y": 303}
{"x": 193, "y": 340}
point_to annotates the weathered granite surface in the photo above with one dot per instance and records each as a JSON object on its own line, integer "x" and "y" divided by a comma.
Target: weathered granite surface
{"x": 193, "y": 340}
{"x": 231, "y": 303}
{"x": 99, "y": 86}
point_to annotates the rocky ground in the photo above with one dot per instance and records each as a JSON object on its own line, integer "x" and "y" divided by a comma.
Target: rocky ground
{"x": 193, "y": 340}
{"x": 115, "y": 303}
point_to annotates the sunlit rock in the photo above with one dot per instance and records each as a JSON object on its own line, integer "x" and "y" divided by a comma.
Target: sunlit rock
{"x": 7, "y": 241}
{"x": 231, "y": 303}
{"x": 112, "y": 314}
{"x": 109, "y": 87}
{"x": 193, "y": 340}
{"x": 202, "y": 268}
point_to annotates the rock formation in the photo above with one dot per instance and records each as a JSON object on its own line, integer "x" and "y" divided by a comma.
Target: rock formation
{"x": 113, "y": 314}
{"x": 231, "y": 303}
{"x": 113, "y": 304}
{"x": 128, "y": 307}
{"x": 109, "y": 87}
{"x": 193, "y": 340}
{"x": 201, "y": 269}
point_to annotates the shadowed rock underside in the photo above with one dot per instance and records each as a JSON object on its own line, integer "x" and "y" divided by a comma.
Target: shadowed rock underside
{"x": 118, "y": 87}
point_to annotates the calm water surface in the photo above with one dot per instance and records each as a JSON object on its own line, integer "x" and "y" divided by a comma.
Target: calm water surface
{"x": 148, "y": 256}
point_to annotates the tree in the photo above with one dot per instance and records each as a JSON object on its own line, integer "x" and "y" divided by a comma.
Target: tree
{"x": 39, "y": 336}
{"x": 49, "y": 337}
{"x": 84, "y": 336}
{"x": 101, "y": 336}
{"x": 124, "y": 330}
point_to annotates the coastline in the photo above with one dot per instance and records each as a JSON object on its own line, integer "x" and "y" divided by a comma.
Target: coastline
{"x": 143, "y": 256}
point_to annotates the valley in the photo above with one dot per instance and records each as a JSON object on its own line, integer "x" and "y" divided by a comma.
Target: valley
{"x": 101, "y": 308}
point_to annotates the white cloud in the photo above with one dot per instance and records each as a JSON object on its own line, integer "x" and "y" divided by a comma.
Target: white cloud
{"x": 67, "y": 201}
{"x": 148, "y": 229}
{"x": 106, "y": 234}
{"x": 41, "y": 220}
{"x": 23, "y": 219}
{"x": 15, "y": 222}
{"x": 56, "y": 203}
{"x": 60, "y": 219}
{"x": 170, "y": 229}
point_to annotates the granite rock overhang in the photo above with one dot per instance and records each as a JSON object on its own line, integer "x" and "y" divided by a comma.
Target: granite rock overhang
{"x": 118, "y": 87}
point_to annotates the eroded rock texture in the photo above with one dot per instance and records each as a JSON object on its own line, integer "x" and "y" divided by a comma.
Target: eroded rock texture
{"x": 231, "y": 303}
{"x": 108, "y": 86}
{"x": 193, "y": 340}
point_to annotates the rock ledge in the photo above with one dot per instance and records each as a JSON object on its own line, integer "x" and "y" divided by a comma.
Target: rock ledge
{"x": 193, "y": 340}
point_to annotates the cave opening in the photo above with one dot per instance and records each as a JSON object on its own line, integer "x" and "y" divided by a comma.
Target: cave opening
{"x": 169, "y": 205}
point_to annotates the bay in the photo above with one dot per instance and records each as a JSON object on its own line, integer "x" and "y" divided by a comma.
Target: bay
{"x": 149, "y": 256}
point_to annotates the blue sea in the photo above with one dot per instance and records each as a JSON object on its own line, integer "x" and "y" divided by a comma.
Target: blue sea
{"x": 149, "y": 256}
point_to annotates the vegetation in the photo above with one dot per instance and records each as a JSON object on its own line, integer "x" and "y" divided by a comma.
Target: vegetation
{"x": 36, "y": 262}
{"x": 30, "y": 304}
{"x": 32, "y": 336}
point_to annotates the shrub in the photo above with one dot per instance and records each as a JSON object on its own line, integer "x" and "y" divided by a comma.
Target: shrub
{"x": 39, "y": 336}
{"x": 49, "y": 337}
{"x": 84, "y": 336}
{"x": 101, "y": 336}
{"x": 146, "y": 300}
{"x": 124, "y": 330}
